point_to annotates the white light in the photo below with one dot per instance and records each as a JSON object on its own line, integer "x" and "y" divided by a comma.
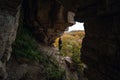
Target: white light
{"x": 77, "y": 26}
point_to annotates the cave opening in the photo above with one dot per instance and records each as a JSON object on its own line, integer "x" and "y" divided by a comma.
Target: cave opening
{"x": 69, "y": 45}
{"x": 71, "y": 38}
{"x": 30, "y": 41}
{"x": 76, "y": 27}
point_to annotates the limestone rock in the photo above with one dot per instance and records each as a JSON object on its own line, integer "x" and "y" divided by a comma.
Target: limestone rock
{"x": 100, "y": 49}
{"x": 48, "y": 19}
{"x": 8, "y": 29}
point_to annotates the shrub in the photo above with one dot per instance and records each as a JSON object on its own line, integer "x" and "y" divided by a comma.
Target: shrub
{"x": 25, "y": 45}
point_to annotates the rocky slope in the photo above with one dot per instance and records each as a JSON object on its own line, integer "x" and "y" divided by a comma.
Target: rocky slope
{"x": 48, "y": 19}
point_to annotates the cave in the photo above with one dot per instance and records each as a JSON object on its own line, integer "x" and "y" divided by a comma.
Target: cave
{"x": 48, "y": 19}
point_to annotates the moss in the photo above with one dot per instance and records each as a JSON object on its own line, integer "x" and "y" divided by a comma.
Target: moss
{"x": 25, "y": 47}
{"x": 53, "y": 71}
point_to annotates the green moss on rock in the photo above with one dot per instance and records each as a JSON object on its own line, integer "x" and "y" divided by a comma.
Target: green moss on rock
{"x": 25, "y": 45}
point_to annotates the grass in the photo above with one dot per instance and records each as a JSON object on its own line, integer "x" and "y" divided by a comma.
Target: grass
{"x": 25, "y": 47}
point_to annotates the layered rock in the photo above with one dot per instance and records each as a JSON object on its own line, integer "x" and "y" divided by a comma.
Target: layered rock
{"x": 48, "y": 19}
{"x": 100, "y": 50}
{"x": 64, "y": 63}
{"x": 9, "y": 18}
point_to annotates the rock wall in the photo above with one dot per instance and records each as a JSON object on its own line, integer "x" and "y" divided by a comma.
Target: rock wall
{"x": 8, "y": 28}
{"x": 48, "y": 19}
{"x": 100, "y": 50}
{"x": 64, "y": 62}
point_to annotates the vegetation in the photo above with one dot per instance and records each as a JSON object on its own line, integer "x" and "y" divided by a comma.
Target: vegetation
{"x": 71, "y": 44}
{"x": 54, "y": 72}
{"x": 25, "y": 47}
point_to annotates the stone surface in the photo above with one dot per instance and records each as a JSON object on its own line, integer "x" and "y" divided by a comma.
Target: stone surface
{"x": 64, "y": 62}
{"x": 8, "y": 28}
{"x": 25, "y": 70}
{"x": 9, "y": 18}
{"x": 48, "y": 20}
{"x": 100, "y": 50}
{"x": 22, "y": 70}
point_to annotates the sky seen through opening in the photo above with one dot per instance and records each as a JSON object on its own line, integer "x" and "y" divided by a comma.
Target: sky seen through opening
{"x": 76, "y": 26}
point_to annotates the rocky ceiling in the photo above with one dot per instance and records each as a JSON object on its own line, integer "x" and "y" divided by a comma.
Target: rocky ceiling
{"x": 49, "y": 18}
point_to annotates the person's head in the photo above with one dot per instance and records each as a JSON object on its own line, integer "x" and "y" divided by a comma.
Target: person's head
{"x": 60, "y": 38}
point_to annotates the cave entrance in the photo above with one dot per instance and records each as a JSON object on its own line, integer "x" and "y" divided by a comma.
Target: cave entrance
{"x": 71, "y": 40}
{"x": 69, "y": 46}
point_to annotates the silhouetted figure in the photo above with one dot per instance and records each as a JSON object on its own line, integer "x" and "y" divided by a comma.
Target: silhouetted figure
{"x": 60, "y": 44}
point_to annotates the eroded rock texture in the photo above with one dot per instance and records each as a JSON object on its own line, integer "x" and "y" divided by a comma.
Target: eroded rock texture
{"x": 9, "y": 16}
{"x": 48, "y": 19}
{"x": 100, "y": 51}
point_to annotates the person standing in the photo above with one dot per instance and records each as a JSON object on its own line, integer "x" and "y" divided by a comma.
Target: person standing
{"x": 60, "y": 43}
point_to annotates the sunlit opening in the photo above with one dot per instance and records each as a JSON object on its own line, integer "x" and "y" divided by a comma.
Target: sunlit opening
{"x": 76, "y": 26}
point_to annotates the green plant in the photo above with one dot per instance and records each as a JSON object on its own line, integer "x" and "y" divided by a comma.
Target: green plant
{"x": 25, "y": 45}
{"x": 52, "y": 69}
{"x": 55, "y": 73}
{"x": 71, "y": 44}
